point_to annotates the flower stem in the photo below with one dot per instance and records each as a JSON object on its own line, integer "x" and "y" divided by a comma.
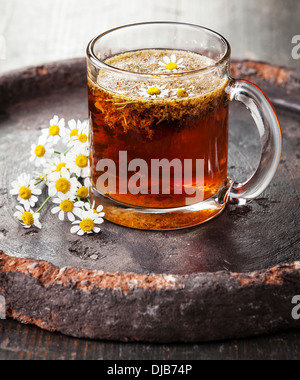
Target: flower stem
{"x": 79, "y": 199}
{"x": 42, "y": 206}
{"x": 68, "y": 150}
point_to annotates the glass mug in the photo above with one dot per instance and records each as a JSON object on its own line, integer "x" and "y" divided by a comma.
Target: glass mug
{"x": 159, "y": 98}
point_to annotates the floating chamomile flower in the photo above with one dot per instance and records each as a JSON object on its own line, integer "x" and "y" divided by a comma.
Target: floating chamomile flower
{"x": 67, "y": 207}
{"x": 56, "y": 130}
{"x": 179, "y": 93}
{"x": 87, "y": 224}
{"x": 27, "y": 217}
{"x": 41, "y": 153}
{"x": 62, "y": 183}
{"x": 154, "y": 92}
{"x": 26, "y": 190}
{"x": 78, "y": 164}
{"x": 171, "y": 64}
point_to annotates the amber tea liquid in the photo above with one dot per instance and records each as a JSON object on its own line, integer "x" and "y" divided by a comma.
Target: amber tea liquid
{"x": 171, "y": 117}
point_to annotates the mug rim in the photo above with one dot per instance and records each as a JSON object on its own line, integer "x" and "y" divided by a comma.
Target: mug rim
{"x": 101, "y": 64}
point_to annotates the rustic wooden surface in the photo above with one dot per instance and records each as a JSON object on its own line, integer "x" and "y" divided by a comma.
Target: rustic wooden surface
{"x": 19, "y": 342}
{"x": 42, "y": 31}
{"x": 60, "y": 29}
{"x": 238, "y": 241}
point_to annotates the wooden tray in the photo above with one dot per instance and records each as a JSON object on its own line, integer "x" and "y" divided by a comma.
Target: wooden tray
{"x": 205, "y": 283}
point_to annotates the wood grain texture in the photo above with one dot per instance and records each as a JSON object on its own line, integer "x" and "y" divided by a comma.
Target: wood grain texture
{"x": 41, "y": 31}
{"x": 19, "y": 342}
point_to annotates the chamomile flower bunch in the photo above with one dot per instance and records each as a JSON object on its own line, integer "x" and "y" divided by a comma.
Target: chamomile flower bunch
{"x": 61, "y": 156}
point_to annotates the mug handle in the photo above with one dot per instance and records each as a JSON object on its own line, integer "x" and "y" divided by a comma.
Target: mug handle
{"x": 268, "y": 126}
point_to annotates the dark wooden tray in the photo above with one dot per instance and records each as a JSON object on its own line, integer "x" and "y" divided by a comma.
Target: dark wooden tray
{"x": 232, "y": 277}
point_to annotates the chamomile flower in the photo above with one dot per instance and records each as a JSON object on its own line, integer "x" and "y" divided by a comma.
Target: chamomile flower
{"x": 78, "y": 164}
{"x": 40, "y": 177}
{"x": 179, "y": 93}
{"x": 97, "y": 210}
{"x": 56, "y": 130}
{"x": 26, "y": 190}
{"x": 62, "y": 183}
{"x": 71, "y": 130}
{"x": 171, "y": 64}
{"x": 87, "y": 224}
{"x": 27, "y": 217}
{"x": 55, "y": 165}
{"x": 154, "y": 92}
{"x": 83, "y": 191}
{"x": 67, "y": 207}
{"x": 79, "y": 136}
{"x": 41, "y": 153}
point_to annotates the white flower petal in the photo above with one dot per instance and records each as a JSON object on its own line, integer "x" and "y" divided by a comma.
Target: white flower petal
{"x": 20, "y": 208}
{"x": 77, "y": 212}
{"x": 18, "y": 215}
{"x": 71, "y": 217}
{"x": 61, "y": 216}
{"x": 98, "y": 221}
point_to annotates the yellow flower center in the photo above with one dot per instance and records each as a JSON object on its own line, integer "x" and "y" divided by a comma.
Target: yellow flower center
{"x": 74, "y": 133}
{"x": 171, "y": 66}
{"x": 181, "y": 93}
{"x": 54, "y": 130}
{"x": 154, "y": 91}
{"x": 40, "y": 151}
{"x": 67, "y": 206}
{"x": 87, "y": 225}
{"x": 25, "y": 192}
{"x": 60, "y": 166}
{"x": 27, "y": 218}
{"x": 82, "y": 161}
{"x": 83, "y": 138}
{"x": 63, "y": 185}
{"x": 83, "y": 192}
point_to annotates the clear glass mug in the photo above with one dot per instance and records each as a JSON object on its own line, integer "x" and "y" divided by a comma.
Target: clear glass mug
{"x": 159, "y": 140}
